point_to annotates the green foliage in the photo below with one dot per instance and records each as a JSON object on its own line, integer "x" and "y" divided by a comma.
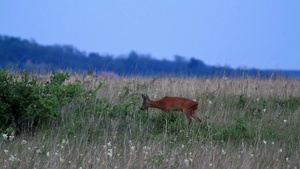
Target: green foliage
{"x": 236, "y": 132}
{"x": 25, "y": 103}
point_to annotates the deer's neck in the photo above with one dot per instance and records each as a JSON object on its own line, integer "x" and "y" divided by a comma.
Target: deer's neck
{"x": 156, "y": 104}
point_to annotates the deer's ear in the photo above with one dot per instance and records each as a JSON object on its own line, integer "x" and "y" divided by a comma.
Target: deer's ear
{"x": 147, "y": 97}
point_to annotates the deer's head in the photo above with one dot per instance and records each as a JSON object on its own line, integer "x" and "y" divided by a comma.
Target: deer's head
{"x": 145, "y": 102}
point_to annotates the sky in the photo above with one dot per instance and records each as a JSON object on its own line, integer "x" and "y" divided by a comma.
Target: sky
{"x": 236, "y": 33}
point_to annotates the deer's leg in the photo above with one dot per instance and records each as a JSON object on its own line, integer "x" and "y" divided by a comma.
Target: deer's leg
{"x": 188, "y": 116}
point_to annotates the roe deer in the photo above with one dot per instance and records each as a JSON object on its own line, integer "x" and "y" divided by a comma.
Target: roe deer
{"x": 189, "y": 107}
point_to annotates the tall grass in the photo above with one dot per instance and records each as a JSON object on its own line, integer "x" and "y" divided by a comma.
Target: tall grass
{"x": 247, "y": 123}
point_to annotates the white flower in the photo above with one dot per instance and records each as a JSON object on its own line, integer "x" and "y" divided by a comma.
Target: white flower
{"x": 11, "y": 138}
{"x": 284, "y": 121}
{"x": 209, "y": 102}
{"x": 251, "y": 155}
{"x": 23, "y": 142}
{"x": 4, "y": 136}
{"x": 109, "y": 144}
{"x": 187, "y": 162}
{"x": 61, "y": 159}
{"x": 264, "y": 141}
{"x": 110, "y": 152}
{"x": 257, "y": 99}
{"x": 272, "y": 143}
{"x": 132, "y": 148}
{"x": 12, "y": 158}
{"x": 280, "y": 150}
{"x": 264, "y": 110}
{"x": 6, "y": 151}
{"x": 48, "y": 154}
{"x": 38, "y": 151}
{"x": 210, "y": 164}
{"x": 182, "y": 146}
{"x": 223, "y": 152}
{"x": 287, "y": 159}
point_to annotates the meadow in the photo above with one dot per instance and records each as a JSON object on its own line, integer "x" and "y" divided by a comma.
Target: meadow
{"x": 246, "y": 123}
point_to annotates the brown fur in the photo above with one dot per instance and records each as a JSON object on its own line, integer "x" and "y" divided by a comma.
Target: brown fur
{"x": 189, "y": 107}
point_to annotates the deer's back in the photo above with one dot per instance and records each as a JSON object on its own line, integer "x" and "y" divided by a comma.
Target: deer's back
{"x": 178, "y": 103}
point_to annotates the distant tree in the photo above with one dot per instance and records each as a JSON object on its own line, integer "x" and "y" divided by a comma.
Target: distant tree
{"x": 19, "y": 53}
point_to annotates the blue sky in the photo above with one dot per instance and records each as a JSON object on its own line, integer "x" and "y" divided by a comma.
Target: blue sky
{"x": 252, "y": 34}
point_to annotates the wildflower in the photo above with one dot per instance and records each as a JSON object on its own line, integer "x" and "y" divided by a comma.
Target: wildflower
{"x": 4, "y": 136}
{"x": 285, "y": 121}
{"x": 12, "y": 158}
{"x": 48, "y": 154}
{"x": 223, "y": 151}
{"x": 63, "y": 141}
{"x": 287, "y": 159}
{"x": 61, "y": 159}
{"x": 6, "y": 151}
{"x": 210, "y": 164}
{"x": 109, "y": 144}
{"x": 182, "y": 146}
{"x": 264, "y": 110}
{"x": 38, "y": 151}
{"x": 280, "y": 150}
{"x": 132, "y": 148}
{"x": 272, "y": 143}
{"x": 110, "y": 153}
{"x": 187, "y": 162}
{"x": 257, "y": 99}
{"x": 23, "y": 142}
{"x": 264, "y": 141}
{"x": 209, "y": 102}
{"x": 251, "y": 155}
{"x": 11, "y": 138}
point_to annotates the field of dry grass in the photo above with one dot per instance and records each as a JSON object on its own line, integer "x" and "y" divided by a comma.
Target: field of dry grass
{"x": 247, "y": 123}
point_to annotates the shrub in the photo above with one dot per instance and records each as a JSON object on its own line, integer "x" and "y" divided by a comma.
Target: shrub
{"x": 25, "y": 103}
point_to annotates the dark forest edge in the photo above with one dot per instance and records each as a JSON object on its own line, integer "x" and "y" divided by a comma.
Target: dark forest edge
{"x": 29, "y": 55}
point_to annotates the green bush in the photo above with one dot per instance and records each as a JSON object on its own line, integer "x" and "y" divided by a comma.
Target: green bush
{"x": 24, "y": 104}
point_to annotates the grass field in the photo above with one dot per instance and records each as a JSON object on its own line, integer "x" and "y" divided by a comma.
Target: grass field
{"x": 246, "y": 123}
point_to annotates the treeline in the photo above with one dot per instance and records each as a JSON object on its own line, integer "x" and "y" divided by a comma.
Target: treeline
{"x": 27, "y": 54}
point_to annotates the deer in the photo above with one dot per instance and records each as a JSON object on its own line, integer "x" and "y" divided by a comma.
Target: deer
{"x": 189, "y": 107}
